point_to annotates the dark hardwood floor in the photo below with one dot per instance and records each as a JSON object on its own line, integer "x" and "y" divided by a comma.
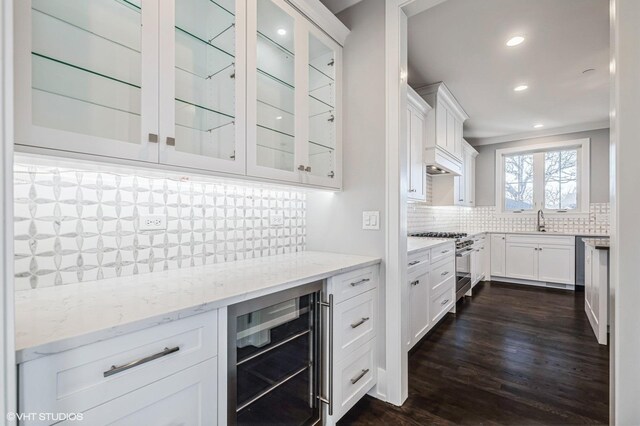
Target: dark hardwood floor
{"x": 512, "y": 355}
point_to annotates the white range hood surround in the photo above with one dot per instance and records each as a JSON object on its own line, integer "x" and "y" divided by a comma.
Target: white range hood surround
{"x": 440, "y": 159}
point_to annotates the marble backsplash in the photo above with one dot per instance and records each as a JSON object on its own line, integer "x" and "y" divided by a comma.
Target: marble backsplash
{"x": 76, "y": 225}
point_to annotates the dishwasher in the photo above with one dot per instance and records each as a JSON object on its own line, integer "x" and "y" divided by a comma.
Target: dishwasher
{"x": 275, "y": 358}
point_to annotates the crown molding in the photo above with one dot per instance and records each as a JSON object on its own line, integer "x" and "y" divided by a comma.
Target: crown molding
{"x": 322, "y": 17}
{"x": 584, "y": 127}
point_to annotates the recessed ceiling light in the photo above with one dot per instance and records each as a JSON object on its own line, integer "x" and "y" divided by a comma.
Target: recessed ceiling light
{"x": 520, "y": 88}
{"x": 514, "y": 41}
{"x": 538, "y": 126}
{"x": 282, "y": 31}
{"x": 279, "y": 117}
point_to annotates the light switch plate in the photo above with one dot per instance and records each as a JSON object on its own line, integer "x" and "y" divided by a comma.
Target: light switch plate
{"x": 276, "y": 219}
{"x": 371, "y": 220}
{"x": 153, "y": 222}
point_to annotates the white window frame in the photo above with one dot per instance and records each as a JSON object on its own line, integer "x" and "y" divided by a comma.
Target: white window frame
{"x": 583, "y": 146}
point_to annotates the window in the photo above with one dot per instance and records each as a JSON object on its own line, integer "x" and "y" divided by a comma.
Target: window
{"x": 552, "y": 177}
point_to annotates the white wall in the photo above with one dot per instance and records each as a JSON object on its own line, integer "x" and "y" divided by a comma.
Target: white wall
{"x": 7, "y": 350}
{"x": 486, "y": 164}
{"x": 625, "y": 174}
{"x": 334, "y": 220}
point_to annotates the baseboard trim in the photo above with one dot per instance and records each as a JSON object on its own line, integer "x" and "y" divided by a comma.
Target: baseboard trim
{"x": 544, "y": 284}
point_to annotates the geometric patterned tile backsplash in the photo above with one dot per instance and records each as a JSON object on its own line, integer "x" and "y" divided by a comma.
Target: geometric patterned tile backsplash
{"x": 74, "y": 225}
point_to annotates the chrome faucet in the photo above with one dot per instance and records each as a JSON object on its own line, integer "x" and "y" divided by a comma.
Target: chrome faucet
{"x": 541, "y": 221}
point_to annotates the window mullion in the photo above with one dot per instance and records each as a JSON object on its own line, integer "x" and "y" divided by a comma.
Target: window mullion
{"x": 538, "y": 180}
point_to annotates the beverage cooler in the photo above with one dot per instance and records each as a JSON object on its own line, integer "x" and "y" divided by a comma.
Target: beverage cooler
{"x": 275, "y": 358}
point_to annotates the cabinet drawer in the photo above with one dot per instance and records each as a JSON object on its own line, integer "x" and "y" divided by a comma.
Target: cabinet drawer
{"x": 188, "y": 397}
{"x": 440, "y": 273}
{"x": 354, "y": 323}
{"x": 82, "y": 378}
{"x": 443, "y": 251}
{"x": 541, "y": 239}
{"x": 418, "y": 259}
{"x": 442, "y": 301}
{"x": 352, "y": 283}
{"x": 354, "y": 376}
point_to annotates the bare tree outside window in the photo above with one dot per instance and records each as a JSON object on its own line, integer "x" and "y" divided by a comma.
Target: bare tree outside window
{"x": 561, "y": 180}
{"x": 518, "y": 174}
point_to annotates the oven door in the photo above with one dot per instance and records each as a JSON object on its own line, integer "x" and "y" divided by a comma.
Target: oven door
{"x": 463, "y": 272}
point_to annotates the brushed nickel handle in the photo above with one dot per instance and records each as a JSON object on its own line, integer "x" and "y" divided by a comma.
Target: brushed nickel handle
{"x": 301, "y": 168}
{"x": 171, "y": 141}
{"x": 415, "y": 262}
{"x": 120, "y": 368}
{"x": 359, "y": 323}
{"x": 359, "y": 376}
{"x": 362, "y": 281}
{"x": 412, "y": 190}
{"x": 444, "y": 302}
{"x": 329, "y": 399}
{"x": 444, "y": 251}
{"x": 307, "y": 169}
{"x": 331, "y": 174}
{"x": 416, "y": 282}
{"x": 153, "y": 138}
{"x": 445, "y": 273}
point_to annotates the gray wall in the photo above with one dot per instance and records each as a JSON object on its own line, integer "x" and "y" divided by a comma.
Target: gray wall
{"x": 486, "y": 164}
{"x": 334, "y": 220}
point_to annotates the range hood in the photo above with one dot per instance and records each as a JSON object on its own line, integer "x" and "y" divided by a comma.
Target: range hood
{"x": 441, "y": 163}
{"x": 435, "y": 170}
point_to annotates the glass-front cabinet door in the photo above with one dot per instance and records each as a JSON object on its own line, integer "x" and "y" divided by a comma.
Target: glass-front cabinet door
{"x": 273, "y": 81}
{"x": 85, "y": 76}
{"x": 324, "y": 124}
{"x": 201, "y": 84}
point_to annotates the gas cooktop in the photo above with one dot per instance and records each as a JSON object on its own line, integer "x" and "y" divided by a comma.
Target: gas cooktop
{"x": 455, "y": 235}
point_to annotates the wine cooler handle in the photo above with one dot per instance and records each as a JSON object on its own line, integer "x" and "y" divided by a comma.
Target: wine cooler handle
{"x": 329, "y": 399}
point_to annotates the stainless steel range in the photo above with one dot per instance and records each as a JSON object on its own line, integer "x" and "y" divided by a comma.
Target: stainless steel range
{"x": 463, "y": 257}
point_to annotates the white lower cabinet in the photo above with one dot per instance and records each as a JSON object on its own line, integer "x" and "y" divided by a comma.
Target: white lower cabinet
{"x": 544, "y": 258}
{"x": 185, "y": 398}
{"x": 443, "y": 301}
{"x": 418, "y": 310}
{"x": 353, "y": 368}
{"x": 596, "y": 291}
{"x": 81, "y": 379}
{"x": 498, "y": 250}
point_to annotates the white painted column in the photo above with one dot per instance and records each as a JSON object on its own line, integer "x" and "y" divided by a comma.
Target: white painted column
{"x": 625, "y": 208}
{"x": 7, "y": 352}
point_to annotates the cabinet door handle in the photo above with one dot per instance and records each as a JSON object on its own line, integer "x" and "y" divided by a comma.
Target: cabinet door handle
{"x": 329, "y": 399}
{"x": 331, "y": 174}
{"x": 171, "y": 141}
{"x": 153, "y": 138}
{"x": 307, "y": 169}
{"x": 415, "y": 262}
{"x": 412, "y": 190}
{"x": 445, "y": 273}
{"x": 359, "y": 376}
{"x": 359, "y": 323}
{"x": 120, "y": 368}
{"x": 416, "y": 282}
{"x": 301, "y": 168}
{"x": 444, "y": 302}
{"x": 362, "y": 281}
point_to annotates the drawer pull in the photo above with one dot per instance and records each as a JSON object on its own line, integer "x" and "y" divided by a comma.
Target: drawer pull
{"x": 362, "y": 281}
{"x": 119, "y": 369}
{"x": 415, "y": 262}
{"x": 359, "y": 323}
{"x": 416, "y": 282}
{"x": 359, "y": 376}
{"x": 445, "y": 273}
{"x": 444, "y": 251}
{"x": 444, "y": 302}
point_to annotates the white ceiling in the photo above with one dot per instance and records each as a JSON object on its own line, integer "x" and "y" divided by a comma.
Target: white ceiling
{"x": 337, "y": 6}
{"x": 462, "y": 42}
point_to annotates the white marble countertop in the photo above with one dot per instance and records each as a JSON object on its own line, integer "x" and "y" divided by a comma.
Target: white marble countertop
{"x": 474, "y": 232}
{"x": 416, "y": 244}
{"x": 55, "y": 319}
{"x": 600, "y": 243}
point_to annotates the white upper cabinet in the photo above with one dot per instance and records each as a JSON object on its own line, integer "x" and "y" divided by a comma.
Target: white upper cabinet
{"x": 417, "y": 111}
{"x": 86, "y": 77}
{"x": 202, "y": 82}
{"x": 226, "y": 86}
{"x": 293, "y": 115}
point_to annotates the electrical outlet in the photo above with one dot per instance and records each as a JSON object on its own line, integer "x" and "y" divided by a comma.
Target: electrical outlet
{"x": 153, "y": 222}
{"x": 276, "y": 219}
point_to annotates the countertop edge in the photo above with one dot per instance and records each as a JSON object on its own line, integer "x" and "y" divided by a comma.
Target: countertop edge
{"x": 31, "y": 353}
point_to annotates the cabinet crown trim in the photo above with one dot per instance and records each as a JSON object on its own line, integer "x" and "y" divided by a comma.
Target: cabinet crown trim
{"x": 322, "y": 17}
{"x": 443, "y": 93}
{"x": 417, "y": 101}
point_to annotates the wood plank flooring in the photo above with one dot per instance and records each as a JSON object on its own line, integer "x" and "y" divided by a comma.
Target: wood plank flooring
{"x": 513, "y": 355}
